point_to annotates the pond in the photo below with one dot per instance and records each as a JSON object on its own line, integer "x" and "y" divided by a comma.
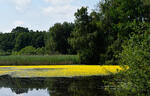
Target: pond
{"x": 54, "y": 86}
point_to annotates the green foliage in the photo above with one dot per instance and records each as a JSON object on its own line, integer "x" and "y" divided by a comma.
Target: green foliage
{"x": 29, "y": 50}
{"x": 38, "y": 39}
{"x": 19, "y": 30}
{"x": 21, "y": 37}
{"x": 22, "y": 40}
{"x": 120, "y": 18}
{"x": 57, "y": 40}
{"x": 136, "y": 53}
{"x": 127, "y": 21}
{"x": 87, "y": 38}
{"x": 40, "y": 51}
{"x": 7, "y": 41}
{"x": 116, "y": 11}
{"x": 124, "y": 31}
{"x": 39, "y": 60}
{"x": 4, "y": 53}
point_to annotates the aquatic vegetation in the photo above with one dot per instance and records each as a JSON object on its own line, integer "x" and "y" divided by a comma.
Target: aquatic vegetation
{"x": 59, "y": 70}
{"x": 38, "y": 60}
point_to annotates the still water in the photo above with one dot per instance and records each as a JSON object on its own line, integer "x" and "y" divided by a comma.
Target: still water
{"x": 76, "y": 86}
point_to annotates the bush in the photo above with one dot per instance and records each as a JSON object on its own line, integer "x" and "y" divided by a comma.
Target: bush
{"x": 136, "y": 80}
{"x": 40, "y": 51}
{"x": 3, "y": 53}
{"x": 29, "y": 50}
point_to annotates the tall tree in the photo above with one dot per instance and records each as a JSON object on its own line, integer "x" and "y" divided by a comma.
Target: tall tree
{"x": 7, "y": 41}
{"x": 58, "y": 37}
{"x": 38, "y": 39}
{"x": 19, "y": 30}
{"x": 22, "y": 40}
{"x": 87, "y": 37}
{"x": 119, "y": 17}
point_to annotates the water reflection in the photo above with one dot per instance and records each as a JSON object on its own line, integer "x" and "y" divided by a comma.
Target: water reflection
{"x": 8, "y": 92}
{"x": 79, "y": 86}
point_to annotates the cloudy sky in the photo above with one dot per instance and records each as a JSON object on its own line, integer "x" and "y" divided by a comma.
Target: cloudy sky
{"x": 39, "y": 14}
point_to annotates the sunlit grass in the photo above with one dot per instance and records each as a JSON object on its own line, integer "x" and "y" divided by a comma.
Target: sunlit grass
{"x": 58, "y": 70}
{"x": 39, "y": 60}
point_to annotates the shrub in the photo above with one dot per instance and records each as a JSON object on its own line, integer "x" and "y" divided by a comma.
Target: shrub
{"x": 29, "y": 50}
{"x": 3, "y": 53}
{"x": 136, "y": 80}
{"x": 40, "y": 51}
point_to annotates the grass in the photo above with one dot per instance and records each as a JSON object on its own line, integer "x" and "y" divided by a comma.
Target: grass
{"x": 59, "y": 70}
{"x": 39, "y": 60}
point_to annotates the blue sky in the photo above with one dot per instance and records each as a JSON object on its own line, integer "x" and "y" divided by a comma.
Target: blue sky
{"x": 39, "y": 14}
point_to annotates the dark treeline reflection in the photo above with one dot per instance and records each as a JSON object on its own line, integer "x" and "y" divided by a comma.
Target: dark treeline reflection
{"x": 79, "y": 86}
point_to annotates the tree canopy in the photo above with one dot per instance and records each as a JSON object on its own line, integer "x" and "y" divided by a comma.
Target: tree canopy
{"x": 58, "y": 38}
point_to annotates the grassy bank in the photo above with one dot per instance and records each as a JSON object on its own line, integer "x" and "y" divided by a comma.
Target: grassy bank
{"x": 39, "y": 60}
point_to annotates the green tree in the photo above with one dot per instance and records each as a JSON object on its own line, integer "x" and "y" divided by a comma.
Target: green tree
{"x": 135, "y": 55}
{"x": 118, "y": 17}
{"x": 28, "y": 50}
{"x": 87, "y": 37}
{"x": 19, "y": 30}
{"x": 21, "y": 37}
{"x": 57, "y": 38}
{"x": 38, "y": 39}
{"x": 22, "y": 40}
{"x": 7, "y": 41}
{"x": 40, "y": 51}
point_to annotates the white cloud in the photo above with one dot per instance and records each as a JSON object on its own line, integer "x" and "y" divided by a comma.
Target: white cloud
{"x": 13, "y": 25}
{"x": 6, "y": 31}
{"x": 60, "y": 13}
{"x": 60, "y": 10}
{"x": 21, "y": 4}
{"x": 59, "y": 2}
{"x": 18, "y": 23}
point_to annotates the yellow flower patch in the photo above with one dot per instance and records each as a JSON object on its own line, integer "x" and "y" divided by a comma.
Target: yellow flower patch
{"x": 59, "y": 70}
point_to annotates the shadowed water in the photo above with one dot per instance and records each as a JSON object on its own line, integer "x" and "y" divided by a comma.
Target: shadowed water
{"x": 76, "y": 86}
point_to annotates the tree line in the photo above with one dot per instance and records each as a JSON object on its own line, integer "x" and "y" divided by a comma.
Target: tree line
{"x": 20, "y": 38}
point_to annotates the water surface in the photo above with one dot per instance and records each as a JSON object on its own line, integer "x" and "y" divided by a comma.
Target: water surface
{"x": 58, "y": 86}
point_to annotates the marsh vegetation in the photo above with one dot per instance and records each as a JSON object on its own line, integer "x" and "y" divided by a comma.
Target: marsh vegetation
{"x": 39, "y": 60}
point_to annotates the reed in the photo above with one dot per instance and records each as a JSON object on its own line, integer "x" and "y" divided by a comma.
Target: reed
{"x": 39, "y": 60}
